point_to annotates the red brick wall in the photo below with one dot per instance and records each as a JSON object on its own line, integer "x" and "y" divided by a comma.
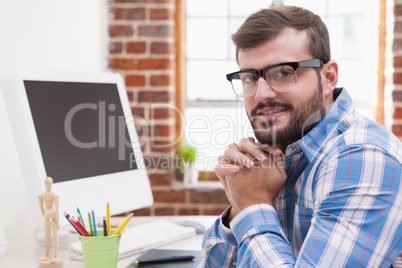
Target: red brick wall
{"x": 141, "y": 48}
{"x": 397, "y": 75}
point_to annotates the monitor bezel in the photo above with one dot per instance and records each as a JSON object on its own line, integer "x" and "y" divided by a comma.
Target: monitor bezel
{"x": 123, "y": 193}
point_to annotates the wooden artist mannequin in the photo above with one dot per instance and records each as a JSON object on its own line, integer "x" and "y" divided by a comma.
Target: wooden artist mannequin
{"x": 49, "y": 205}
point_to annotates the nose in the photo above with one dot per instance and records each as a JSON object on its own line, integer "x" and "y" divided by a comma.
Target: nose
{"x": 264, "y": 91}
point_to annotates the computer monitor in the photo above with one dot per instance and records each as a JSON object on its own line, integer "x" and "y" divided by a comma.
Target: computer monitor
{"x": 78, "y": 129}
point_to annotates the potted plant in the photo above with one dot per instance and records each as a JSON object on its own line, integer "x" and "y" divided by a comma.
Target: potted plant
{"x": 187, "y": 158}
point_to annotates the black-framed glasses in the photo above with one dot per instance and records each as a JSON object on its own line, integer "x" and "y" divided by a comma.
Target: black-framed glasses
{"x": 281, "y": 77}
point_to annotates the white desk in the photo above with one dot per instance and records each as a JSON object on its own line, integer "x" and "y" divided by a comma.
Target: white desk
{"x": 23, "y": 251}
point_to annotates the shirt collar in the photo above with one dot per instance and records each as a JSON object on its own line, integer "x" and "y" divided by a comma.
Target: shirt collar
{"x": 326, "y": 128}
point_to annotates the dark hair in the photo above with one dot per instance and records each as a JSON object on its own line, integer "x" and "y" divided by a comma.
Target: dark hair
{"x": 267, "y": 24}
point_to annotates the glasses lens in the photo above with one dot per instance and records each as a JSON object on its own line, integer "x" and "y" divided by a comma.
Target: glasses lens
{"x": 244, "y": 83}
{"x": 281, "y": 78}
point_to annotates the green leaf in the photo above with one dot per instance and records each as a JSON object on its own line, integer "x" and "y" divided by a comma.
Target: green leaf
{"x": 187, "y": 153}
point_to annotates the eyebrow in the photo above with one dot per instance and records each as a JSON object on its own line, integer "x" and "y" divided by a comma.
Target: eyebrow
{"x": 249, "y": 69}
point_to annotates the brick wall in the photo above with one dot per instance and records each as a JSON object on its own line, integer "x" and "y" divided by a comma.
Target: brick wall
{"x": 141, "y": 48}
{"x": 397, "y": 75}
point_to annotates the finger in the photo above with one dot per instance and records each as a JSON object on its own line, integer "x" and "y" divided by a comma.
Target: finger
{"x": 274, "y": 161}
{"x": 249, "y": 146}
{"x": 233, "y": 155}
{"x": 280, "y": 162}
{"x": 226, "y": 167}
{"x": 220, "y": 176}
{"x": 267, "y": 149}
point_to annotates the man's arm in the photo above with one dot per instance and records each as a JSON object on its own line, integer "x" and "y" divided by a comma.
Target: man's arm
{"x": 356, "y": 218}
{"x": 251, "y": 173}
{"x": 261, "y": 240}
{"x": 219, "y": 247}
{"x": 238, "y": 176}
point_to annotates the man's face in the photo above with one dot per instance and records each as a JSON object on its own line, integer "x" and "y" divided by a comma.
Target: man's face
{"x": 280, "y": 118}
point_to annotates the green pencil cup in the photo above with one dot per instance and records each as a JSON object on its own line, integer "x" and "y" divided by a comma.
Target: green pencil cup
{"x": 100, "y": 251}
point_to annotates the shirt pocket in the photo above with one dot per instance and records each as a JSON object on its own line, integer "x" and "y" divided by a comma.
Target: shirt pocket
{"x": 301, "y": 224}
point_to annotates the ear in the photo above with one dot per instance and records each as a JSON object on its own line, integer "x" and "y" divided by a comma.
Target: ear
{"x": 329, "y": 75}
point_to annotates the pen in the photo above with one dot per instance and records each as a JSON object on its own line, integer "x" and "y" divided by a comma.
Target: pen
{"x": 81, "y": 219}
{"x": 108, "y": 219}
{"x": 123, "y": 224}
{"x": 104, "y": 227}
{"x": 167, "y": 259}
{"x": 91, "y": 230}
{"x": 94, "y": 223}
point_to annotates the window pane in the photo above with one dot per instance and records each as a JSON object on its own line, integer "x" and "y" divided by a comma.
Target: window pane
{"x": 207, "y": 8}
{"x": 246, "y": 8}
{"x": 356, "y": 77}
{"x": 350, "y": 37}
{"x": 207, "y": 39}
{"x": 212, "y": 129}
{"x": 235, "y": 24}
{"x": 319, "y": 7}
{"x": 342, "y": 7}
{"x": 207, "y": 80}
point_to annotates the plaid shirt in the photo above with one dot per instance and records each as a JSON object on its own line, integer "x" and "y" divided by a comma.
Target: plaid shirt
{"x": 341, "y": 205}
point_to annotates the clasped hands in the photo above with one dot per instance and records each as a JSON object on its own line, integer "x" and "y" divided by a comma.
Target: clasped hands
{"x": 251, "y": 173}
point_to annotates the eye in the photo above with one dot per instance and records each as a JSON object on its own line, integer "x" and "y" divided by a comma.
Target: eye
{"x": 248, "y": 77}
{"x": 284, "y": 73}
{"x": 281, "y": 73}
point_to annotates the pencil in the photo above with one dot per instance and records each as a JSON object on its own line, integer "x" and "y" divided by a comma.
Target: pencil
{"x": 104, "y": 227}
{"x": 108, "y": 218}
{"x": 81, "y": 219}
{"x": 123, "y": 224}
{"x": 79, "y": 226}
{"x": 91, "y": 230}
{"x": 94, "y": 223}
{"x": 68, "y": 218}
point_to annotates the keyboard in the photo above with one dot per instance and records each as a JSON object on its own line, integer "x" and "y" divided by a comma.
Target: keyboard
{"x": 145, "y": 236}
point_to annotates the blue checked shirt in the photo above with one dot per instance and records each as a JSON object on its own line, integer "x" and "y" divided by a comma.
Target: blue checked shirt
{"x": 341, "y": 205}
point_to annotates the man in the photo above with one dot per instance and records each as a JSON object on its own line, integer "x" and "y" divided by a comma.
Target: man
{"x": 322, "y": 185}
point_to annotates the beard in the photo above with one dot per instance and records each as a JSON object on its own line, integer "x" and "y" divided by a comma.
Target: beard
{"x": 302, "y": 119}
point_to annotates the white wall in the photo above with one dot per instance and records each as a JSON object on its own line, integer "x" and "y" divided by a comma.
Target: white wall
{"x": 45, "y": 35}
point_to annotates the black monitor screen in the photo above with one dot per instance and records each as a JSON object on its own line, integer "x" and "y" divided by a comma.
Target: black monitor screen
{"x": 81, "y": 129}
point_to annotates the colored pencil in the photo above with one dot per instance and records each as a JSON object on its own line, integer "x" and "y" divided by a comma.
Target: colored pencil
{"x": 108, "y": 218}
{"x": 79, "y": 226}
{"x": 68, "y": 218}
{"x": 123, "y": 224}
{"x": 94, "y": 223}
{"x": 91, "y": 230}
{"x": 104, "y": 227}
{"x": 81, "y": 219}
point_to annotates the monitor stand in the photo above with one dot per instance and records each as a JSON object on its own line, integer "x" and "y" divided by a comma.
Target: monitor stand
{"x": 66, "y": 237}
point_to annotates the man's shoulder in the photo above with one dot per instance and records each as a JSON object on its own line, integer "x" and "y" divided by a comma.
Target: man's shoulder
{"x": 356, "y": 129}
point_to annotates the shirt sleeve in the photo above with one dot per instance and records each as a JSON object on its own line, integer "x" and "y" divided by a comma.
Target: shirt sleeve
{"x": 219, "y": 246}
{"x": 260, "y": 237}
{"x": 356, "y": 220}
